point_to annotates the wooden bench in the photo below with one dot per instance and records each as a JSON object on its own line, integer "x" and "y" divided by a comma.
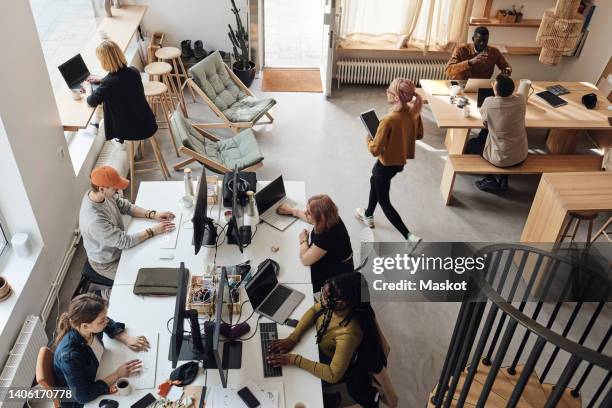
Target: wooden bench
{"x": 534, "y": 164}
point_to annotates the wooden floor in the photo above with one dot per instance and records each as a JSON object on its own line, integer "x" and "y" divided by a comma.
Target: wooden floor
{"x": 291, "y": 80}
{"x": 534, "y": 394}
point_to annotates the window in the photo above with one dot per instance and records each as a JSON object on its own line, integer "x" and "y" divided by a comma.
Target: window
{"x": 3, "y": 241}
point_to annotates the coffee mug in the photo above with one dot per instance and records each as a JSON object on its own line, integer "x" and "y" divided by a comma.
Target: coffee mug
{"x": 454, "y": 90}
{"x": 76, "y": 94}
{"x": 187, "y": 201}
{"x": 525, "y": 89}
{"x": 123, "y": 386}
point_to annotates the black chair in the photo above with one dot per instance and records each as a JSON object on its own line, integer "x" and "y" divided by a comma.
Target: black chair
{"x": 89, "y": 276}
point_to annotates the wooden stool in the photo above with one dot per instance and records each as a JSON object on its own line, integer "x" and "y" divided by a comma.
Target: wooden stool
{"x": 604, "y": 231}
{"x": 159, "y": 100}
{"x": 179, "y": 73}
{"x": 577, "y": 218}
{"x": 162, "y": 72}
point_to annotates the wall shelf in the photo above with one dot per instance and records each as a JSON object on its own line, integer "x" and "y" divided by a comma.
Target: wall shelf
{"x": 493, "y": 22}
{"x": 517, "y": 50}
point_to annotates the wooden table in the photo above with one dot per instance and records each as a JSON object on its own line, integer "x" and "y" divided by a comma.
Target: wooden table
{"x": 561, "y": 193}
{"x": 120, "y": 28}
{"x": 539, "y": 114}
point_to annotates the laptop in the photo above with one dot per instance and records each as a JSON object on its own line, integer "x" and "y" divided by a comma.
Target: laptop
{"x": 370, "y": 121}
{"x": 472, "y": 85}
{"x": 269, "y": 298}
{"x": 268, "y": 199}
{"x": 75, "y": 72}
{"x": 483, "y": 93}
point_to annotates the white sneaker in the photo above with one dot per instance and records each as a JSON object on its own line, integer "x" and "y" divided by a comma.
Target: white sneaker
{"x": 413, "y": 238}
{"x": 360, "y": 215}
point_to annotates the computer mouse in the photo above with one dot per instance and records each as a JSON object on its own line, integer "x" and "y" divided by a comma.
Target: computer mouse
{"x": 108, "y": 403}
{"x": 292, "y": 322}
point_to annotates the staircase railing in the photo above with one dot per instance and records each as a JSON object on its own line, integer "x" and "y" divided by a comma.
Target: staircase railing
{"x": 517, "y": 286}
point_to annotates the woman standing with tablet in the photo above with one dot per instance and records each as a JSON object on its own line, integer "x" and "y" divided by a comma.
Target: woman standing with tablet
{"x": 393, "y": 144}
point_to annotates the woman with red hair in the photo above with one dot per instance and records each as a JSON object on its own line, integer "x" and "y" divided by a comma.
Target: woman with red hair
{"x": 328, "y": 252}
{"x": 393, "y": 144}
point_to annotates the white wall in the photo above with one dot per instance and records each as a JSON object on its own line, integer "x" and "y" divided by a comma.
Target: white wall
{"x": 34, "y": 133}
{"x": 597, "y": 48}
{"x": 204, "y": 20}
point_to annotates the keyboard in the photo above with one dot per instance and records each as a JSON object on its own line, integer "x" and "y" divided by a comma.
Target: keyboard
{"x": 168, "y": 240}
{"x": 275, "y": 300}
{"x": 145, "y": 378}
{"x": 268, "y": 333}
{"x": 557, "y": 90}
{"x": 277, "y": 220}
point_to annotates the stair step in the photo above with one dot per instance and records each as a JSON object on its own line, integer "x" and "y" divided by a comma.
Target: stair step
{"x": 566, "y": 401}
{"x": 533, "y": 393}
{"x": 453, "y": 403}
{"x": 502, "y": 386}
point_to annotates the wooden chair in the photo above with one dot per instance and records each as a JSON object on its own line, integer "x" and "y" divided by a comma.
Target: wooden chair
{"x": 232, "y": 102}
{"x": 44, "y": 371}
{"x": 217, "y": 155}
{"x": 604, "y": 231}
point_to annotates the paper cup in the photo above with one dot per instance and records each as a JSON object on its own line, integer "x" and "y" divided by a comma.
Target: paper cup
{"x": 187, "y": 201}
{"x": 76, "y": 94}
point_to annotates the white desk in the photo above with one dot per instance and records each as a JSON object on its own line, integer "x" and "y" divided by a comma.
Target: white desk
{"x": 147, "y": 314}
{"x": 164, "y": 195}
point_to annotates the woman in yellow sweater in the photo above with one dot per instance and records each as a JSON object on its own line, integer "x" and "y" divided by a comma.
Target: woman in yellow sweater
{"x": 342, "y": 318}
{"x": 393, "y": 144}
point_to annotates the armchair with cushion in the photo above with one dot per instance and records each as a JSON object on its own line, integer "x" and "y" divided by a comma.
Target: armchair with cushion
{"x": 219, "y": 156}
{"x": 226, "y": 95}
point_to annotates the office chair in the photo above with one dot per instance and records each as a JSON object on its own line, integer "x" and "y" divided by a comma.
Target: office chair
{"x": 45, "y": 376}
{"x": 89, "y": 276}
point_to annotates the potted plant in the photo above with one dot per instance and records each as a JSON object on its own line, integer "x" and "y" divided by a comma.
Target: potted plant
{"x": 243, "y": 67}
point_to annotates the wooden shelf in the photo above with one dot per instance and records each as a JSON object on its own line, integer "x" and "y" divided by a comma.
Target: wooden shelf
{"x": 493, "y": 22}
{"x": 514, "y": 50}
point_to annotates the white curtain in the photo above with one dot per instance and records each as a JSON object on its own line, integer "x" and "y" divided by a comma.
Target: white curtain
{"x": 424, "y": 24}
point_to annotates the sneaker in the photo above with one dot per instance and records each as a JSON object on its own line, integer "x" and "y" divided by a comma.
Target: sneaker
{"x": 488, "y": 184}
{"x": 360, "y": 215}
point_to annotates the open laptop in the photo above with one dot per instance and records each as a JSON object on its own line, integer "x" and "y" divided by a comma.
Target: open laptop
{"x": 269, "y": 198}
{"x": 75, "y": 72}
{"x": 483, "y": 93}
{"x": 269, "y": 298}
{"x": 473, "y": 84}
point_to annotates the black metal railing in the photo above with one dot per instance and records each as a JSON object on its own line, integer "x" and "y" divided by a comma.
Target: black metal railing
{"x": 514, "y": 292}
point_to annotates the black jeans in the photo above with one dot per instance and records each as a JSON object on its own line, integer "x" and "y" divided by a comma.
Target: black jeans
{"x": 477, "y": 145}
{"x": 380, "y": 184}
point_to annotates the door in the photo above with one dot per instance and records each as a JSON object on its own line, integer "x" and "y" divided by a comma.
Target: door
{"x": 329, "y": 44}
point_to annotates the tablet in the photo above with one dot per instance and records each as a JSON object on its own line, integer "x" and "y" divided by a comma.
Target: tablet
{"x": 370, "y": 121}
{"x": 552, "y": 99}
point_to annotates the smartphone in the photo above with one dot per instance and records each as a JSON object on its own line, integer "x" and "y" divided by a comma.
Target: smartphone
{"x": 145, "y": 401}
{"x": 249, "y": 399}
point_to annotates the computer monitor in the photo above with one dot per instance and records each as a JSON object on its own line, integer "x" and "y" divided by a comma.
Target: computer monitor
{"x": 184, "y": 348}
{"x": 204, "y": 231}
{"x": 74, "y": 71}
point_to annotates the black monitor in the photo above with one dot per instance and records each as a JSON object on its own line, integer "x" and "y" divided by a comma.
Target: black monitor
{"x": 74, "y": 71}
{"x": 183, "y": 348}
{"x": 204, "y": 231}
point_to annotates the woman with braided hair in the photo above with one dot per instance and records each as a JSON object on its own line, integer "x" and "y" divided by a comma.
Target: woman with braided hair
{"x": 345, "y": 323}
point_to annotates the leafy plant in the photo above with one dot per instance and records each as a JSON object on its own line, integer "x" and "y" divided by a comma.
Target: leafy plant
{"x": 240, "y": 40}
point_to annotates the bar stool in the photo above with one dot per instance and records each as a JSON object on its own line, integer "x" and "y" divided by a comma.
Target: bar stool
{"x": 576, "y": 218}
{"x": 161, "y": 71}
{"x": 173, "y": 55}
{"x": 159, "y": 100}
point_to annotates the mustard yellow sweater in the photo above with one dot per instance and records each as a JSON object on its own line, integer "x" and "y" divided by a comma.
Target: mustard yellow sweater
{"x": 338, "y": 343}
{"x": 396, "y": 137}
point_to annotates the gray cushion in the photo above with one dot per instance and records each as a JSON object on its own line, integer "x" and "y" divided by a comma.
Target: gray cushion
{"x": 212, "y": 77}
{"x": 241, "y": 149}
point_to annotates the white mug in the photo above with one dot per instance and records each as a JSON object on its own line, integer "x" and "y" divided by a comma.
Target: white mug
{"x": 187, "y": 201}
{"x": 466, "y": 111}
{"x": 525, "y": 89}
{"x": 123, "y": 386}
{"x": 454, "y": 90}
{"x": 76, "y": 94}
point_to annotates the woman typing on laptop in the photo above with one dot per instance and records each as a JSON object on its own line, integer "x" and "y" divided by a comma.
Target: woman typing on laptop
{"x": 329, "y": 252}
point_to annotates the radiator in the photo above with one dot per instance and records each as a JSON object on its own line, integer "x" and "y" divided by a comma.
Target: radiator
{"x": 371, "y": 71}
{"x": 20, "y": 367}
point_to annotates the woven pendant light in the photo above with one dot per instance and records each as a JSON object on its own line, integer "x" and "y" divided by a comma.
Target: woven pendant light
{"x": 559, "y": 31}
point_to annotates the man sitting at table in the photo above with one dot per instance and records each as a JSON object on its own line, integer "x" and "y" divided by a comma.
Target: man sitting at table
{"x": 503, "y": 116}
{"x": 101, "y": 224}
{"x": 476, "y": 60}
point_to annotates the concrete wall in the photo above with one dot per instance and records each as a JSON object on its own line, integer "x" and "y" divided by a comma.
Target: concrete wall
{"x": 204, "y": 20}
{"x": 33, "y": 131}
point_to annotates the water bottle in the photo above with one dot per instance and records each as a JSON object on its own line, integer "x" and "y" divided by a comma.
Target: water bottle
{"x": 188, "y": 183}
{"x": 252, "y": 214}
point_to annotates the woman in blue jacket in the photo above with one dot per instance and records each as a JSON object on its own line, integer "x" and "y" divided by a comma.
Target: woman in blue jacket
{"x": 79, "y": 348}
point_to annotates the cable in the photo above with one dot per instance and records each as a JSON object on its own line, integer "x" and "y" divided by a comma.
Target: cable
{"x": 255, "y": 332}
